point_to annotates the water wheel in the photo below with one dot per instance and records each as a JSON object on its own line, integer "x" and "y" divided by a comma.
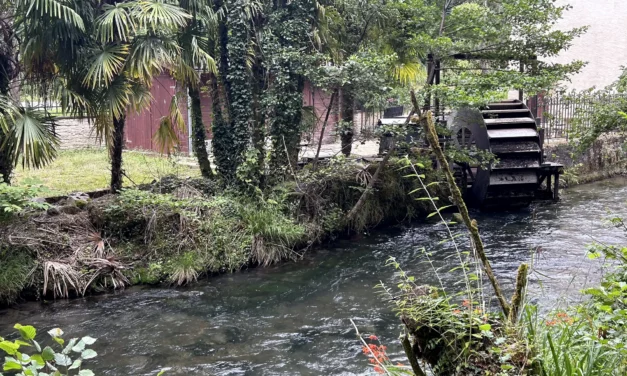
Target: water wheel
{"x": 508, "y": 130}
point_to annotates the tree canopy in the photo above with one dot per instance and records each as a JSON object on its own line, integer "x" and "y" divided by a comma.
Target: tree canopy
{"x": 98, "y": 59}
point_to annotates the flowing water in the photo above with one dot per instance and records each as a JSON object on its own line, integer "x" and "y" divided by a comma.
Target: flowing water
{"x": 293, "y": 319}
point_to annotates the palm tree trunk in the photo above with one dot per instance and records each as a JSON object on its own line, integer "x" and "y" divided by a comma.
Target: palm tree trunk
{"x": 348, "y": 112}
{"x": 116, "y": 154}
{"x": 6, "y": 167}
{"x": 199, "y": 136}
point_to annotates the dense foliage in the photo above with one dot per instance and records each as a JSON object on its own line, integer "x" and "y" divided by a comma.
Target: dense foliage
{"x": 98, "y": 58}
{"x": 607, "y": 114}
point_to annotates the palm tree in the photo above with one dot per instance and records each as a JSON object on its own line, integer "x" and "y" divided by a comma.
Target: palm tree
{"x": 136, "y": 41}
{"x": 102, "y": 61}
{"x": 195, "y": 56}
{"x": 26, "y": 134}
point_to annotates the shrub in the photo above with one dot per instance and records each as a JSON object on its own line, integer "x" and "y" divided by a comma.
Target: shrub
{"x": 60, "y": 359}
{"x": 15, "y": 199}
{"x": 185, "y": 268}
{"x": 274, "y": 235}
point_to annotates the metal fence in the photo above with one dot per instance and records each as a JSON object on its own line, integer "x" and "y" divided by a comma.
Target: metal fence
{"x": 559, "y": 114}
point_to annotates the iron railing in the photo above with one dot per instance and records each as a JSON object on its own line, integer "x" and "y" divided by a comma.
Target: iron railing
{"x": 559, "y": 113}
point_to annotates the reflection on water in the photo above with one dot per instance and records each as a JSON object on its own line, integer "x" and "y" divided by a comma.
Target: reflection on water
{"x": 292, "y": 319}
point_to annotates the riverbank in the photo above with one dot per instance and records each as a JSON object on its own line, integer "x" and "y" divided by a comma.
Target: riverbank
{"x": 292, "y": 318}
{"x": 605, "y": 159}
{"x": 176, "y": 231}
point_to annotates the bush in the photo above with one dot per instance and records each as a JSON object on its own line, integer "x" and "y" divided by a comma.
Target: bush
{"x": 60, "y": 359}
{"x": 15, "y": 199}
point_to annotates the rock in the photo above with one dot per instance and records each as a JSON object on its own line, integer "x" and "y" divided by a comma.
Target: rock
{"x": 53, "y": 211}
{"x": 69, "y": 209}
{"x": 78, "y": 199}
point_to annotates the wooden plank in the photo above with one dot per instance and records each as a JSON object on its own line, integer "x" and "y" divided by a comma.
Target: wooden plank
{"x": 512, "y": 133}
{"x": 510, "y": 111}
{"x": 515, "y": 147}
{"x": 517, "y": 163}
{"x": 520, "y": 120}
{"x": 521, "y": 178}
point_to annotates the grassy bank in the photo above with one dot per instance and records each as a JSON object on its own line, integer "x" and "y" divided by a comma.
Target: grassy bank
{"x": 179, "y": 230}
{"x": 88, "y": 170}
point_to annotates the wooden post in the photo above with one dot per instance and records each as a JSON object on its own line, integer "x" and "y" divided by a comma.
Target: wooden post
{"x": 520, "y": 92}
{"x": 556, "y": 187}
{"x": 548, "y": 183}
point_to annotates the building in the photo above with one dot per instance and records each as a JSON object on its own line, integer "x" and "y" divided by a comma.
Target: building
{"x": 604, "y": 46}
{"x": 141, "y": 128}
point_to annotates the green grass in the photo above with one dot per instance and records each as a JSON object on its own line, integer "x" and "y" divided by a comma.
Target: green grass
{"x": 88, "y": 170}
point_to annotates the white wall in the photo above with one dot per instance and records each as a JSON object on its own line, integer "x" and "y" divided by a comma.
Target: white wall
{"x": 604, "y": 46}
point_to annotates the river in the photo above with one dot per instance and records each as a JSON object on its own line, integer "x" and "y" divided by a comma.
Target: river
{"x": 293, "y": 319}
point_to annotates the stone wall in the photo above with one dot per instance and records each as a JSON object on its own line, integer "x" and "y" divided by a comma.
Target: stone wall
{"x": 76, "y": 134}
{"x": 605, "y": 159}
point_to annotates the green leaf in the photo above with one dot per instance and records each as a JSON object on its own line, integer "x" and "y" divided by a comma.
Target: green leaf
{"x": 89, "y": 340}
{"x": 62, "y": 360}
{"x": 77, "y": 364}
{"x": 9, "y": 347}
{"x": 27, "y": 332}
{"x": 37, "y": 360}
{"x": 89, "y": 354}
{"x": 485, "y": 327}
{"x": 22, "y": 343}
{"x": 85, "y": 372}
{"x": 69, "y": 346}
{"x": 80, "y": 346}
{"x": 11, "y": 364}
{"x": 48, "y": 354}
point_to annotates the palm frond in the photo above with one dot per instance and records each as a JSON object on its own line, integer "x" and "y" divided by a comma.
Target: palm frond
{"x": 200, "y": 57}
{"x": 140, "y": 96}
{"x": 62, "y": 277}
{"x": 52, "y": 8}
{"x": 115, "y": 24}
{"x": 8, "y": 114}
{"x": 31, "y": 140}
{"x": 150, "y": 55}
{"x": 409, "y": 72}
{"x": 105, "y": 65}
{"x": 157, "y": 16}
{"x": 166, "y": 137}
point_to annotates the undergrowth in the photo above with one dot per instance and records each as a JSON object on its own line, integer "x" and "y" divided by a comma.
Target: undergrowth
{"x": 15, "y": 269}
{"x": 176, "y": 231}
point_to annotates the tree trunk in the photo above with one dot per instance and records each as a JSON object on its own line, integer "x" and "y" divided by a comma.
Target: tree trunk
{"x": 259, "y": 120}
{"x": 6, "y": 167}
{"x": 347, "y": 127}
{"x": 199, "y": 136}
{"x": 116, "y": 154}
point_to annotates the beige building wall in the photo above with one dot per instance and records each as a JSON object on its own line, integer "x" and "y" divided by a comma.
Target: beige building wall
{"x": 604, "y": 46}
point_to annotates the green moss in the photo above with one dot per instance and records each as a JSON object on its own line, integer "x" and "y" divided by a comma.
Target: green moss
{"x": 14, "y": 273}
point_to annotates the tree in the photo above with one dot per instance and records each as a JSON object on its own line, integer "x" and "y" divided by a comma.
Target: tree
{"x": 26, "y": 134}
{"x": 195, "y": 56}
{"x": 104, "y": 64}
